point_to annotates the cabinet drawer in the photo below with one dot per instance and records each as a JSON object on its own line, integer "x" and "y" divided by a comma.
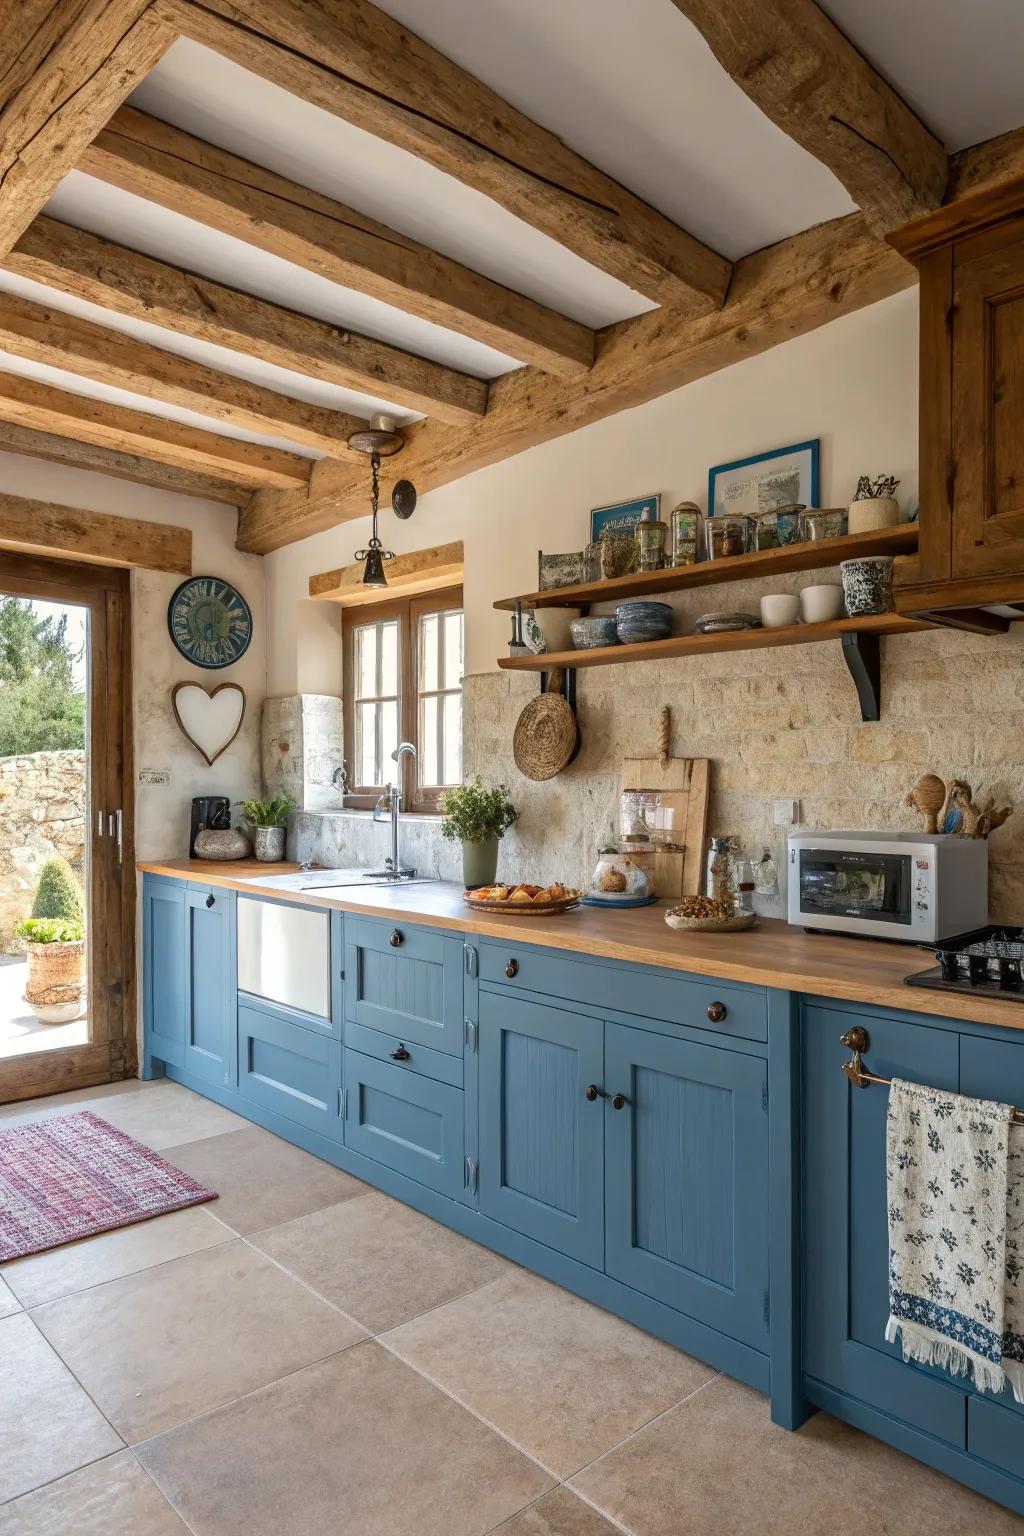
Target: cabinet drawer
{"x": 409, "y": 1123}
{"x": 996, "y": 1434}
{"x": 406, "y": 981}
{"x": 420, "y": 1059}
{"x": 629, "y": 989}
{"x": 290, "y": 1069}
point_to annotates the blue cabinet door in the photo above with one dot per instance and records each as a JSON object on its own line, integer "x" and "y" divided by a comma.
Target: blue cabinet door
{"x": 410, "y": 1123}
{"x": 541, "y": 1140}
{"x": 290, "y": 1069}
{"x": 405, "y": 979}
{"x": 846, "y": 1242}
{"x": 210, "y": 1034}
{"x": 163, "y": 972}
{"x": 686, "y": 1176}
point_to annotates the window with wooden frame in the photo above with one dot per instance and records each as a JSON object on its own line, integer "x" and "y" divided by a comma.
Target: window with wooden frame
{"x": 403, "y": 661}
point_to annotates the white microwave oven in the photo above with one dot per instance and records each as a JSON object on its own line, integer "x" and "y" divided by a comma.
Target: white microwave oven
{"x": 912, "y": 886}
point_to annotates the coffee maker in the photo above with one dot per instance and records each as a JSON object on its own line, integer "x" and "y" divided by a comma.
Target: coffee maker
{"x": 208, "y": 811}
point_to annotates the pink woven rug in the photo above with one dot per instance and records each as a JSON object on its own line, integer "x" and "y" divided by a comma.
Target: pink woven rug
{"x": 74, "y": 1176}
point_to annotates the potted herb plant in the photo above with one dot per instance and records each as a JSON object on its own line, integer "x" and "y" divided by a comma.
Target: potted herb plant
{"x": 55, "y": 946}
{"x": 268, "y": 820}
{"x": 478, "y": 818}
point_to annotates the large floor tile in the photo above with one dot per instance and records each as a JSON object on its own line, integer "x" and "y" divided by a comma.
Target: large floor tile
{"x": 159, "y": 1114}
{"x": 563, "y": 1379}
{"x": 718, "y": 1466}
{"x": 157, "y": 1347}
{"x": 354, "y": 1444}
{"x": 114, "y": 1497}
{"x": 48, "y": 1426}
{"x": 22, "y": 1110}
{"x": 380, "y": 1261}
{"x": 93, "y": 1260}
{"x": 262, "y": 1181}
{"x": 559, "y": 1513}
{"x": 8, "y": 1301}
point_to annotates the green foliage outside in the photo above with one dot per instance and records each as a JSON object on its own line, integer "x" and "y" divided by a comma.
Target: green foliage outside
{"x": 40, "y": 708}
{"x": 58, "y": 894}
{"x": 49, "y": 930}
{"x": 473, "y": 814}
{"x": 267, "y": 813}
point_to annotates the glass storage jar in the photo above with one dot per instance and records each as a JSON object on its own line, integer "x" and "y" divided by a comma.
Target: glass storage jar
{"x": 617, "y": 876}
{"x": 685, "y": 525}
{"x": 650, "y": 541}
{"x": 721, "y": 871}
{"x": 727, "y": 534}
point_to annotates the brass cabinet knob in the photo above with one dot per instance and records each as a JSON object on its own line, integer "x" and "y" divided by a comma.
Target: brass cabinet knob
{"x": 512, "y": 969}
{"x": 395, "y": 939}
{"x": 619, "y": 1100}
{"x": 400, "y": 1054}
{"x": 594, "y": 1092}
{"x": 717, "y": 1012}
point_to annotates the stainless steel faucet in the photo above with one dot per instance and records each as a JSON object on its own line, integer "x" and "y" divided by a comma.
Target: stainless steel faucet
{"x": 389, "y": 806}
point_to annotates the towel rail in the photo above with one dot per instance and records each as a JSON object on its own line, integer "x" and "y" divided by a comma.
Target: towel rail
{"x": 858, "y": 1041}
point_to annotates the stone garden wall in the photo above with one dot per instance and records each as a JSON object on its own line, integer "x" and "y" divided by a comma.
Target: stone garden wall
{"x": 42, "y": 813}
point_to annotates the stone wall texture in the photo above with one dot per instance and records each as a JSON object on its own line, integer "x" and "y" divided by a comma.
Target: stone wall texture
{"x": 42, "y": 814}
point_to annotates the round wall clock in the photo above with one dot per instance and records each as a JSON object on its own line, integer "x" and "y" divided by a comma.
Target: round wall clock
{"x": 209, "y": 621}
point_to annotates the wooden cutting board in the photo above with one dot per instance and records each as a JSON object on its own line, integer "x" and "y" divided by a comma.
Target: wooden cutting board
{"x": 682, "y": 783}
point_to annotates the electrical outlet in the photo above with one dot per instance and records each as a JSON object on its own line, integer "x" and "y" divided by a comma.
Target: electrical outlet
{"x": 786, "y": 813}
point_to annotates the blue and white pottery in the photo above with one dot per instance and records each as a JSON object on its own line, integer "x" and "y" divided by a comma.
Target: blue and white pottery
{"x": 867, "y": 584}
{"x": 643, "y": 621}
{"x": 589, "y": 633}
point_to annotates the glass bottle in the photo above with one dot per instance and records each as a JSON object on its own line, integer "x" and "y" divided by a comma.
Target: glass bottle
{"x": 766, "y": 876}
{"x": 744, "y": 886}
{"x": 650, "y": 537}
{"x": 721, "y": 872}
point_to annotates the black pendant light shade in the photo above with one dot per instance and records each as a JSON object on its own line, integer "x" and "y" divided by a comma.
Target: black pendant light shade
{"x": 381, "y": 438}
{"x": 373, "y": 571}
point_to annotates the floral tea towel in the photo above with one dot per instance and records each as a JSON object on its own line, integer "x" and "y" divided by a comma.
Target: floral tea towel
{"x": 947, "y": 1164}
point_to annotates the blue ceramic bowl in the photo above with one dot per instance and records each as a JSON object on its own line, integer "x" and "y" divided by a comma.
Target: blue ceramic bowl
{"x": 636, "y": 622}
{"x": 588, "y": 634}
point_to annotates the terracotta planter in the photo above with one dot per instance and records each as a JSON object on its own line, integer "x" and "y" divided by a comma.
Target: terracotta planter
{"x": 56, "y": 981}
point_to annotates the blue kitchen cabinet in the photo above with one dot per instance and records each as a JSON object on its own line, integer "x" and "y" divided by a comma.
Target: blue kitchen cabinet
{"x": 406, "y": 980}
{"x": 541, "y": 1137}
{"x": 846, "y": 1242}
{"x": 409, "y": 1122}
{"x": 189, "y": 980}
{"x": 287, "y": 1068}
{"x": 686, "y": 1177}
{"x": 163, "y": 973}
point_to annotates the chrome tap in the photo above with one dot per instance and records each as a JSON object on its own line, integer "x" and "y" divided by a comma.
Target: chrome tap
{"x": 389, "y": 806}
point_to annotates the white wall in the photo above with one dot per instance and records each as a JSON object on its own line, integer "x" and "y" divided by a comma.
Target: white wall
{"x": 852, "y": 383}
{"x": 162, "y": 813}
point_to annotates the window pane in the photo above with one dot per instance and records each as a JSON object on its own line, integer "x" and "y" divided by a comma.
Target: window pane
{"x": 452, "y": 738}
{"x": 389, "y": 658}
{"x": 428, "y": 742}
{"x": 366, "y": 743}
{"x": 388, "y": 742}
{"x": 452, "y": 651}
{"x": 430, "y": 639}
{"x": 366, "y": 661}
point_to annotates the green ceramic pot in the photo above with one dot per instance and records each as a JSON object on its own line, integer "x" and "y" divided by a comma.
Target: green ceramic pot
{"x": 479, "y": 863}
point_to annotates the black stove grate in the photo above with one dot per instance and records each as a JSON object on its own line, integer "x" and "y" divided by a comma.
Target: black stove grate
{"x": 987, "y": 960}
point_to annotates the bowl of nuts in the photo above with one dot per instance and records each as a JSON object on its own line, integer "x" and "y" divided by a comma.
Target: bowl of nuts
{"x": 707, "y": 914}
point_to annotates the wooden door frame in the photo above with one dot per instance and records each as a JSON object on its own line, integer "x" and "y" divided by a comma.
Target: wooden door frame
{"x": 112, "y": 1051}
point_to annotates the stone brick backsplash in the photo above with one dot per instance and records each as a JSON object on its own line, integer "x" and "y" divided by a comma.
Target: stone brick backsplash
{"x": 42, "y": 813}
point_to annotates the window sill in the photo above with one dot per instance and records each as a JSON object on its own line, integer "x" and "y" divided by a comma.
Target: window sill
{"x": 351, "y": 813}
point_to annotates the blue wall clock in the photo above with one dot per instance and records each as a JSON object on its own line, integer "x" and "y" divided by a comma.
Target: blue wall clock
{"x": 209, "y": 621}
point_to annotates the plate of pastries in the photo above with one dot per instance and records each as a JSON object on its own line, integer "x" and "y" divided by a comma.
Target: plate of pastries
{"x": 538, "y": 900}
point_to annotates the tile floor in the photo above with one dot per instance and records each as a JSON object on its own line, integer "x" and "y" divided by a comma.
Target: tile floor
{"x": 306, "y": 1357}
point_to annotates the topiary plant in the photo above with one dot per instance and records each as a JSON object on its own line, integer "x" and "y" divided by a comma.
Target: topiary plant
{"x": 58, "y": 893}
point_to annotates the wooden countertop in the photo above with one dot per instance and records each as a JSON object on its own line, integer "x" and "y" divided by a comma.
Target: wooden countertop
{"x": 771, "y": 955}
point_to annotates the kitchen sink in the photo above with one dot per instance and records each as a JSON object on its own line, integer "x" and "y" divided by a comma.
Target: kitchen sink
{"x": 327, "y": 881}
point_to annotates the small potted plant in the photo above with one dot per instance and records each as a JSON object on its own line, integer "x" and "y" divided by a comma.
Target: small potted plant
{"x": 268, "y": 820}
{"x": 55, "y": 946}
{"x": 477, "y": 818}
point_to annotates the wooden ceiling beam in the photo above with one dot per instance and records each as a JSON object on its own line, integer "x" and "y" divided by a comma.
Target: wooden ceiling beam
{"x": 158, "y": 162}
{"x": 810, "y": 80}
{"x": 29, "y": 403}
{"x": 60, "y": 340}
{"x": 65, "y": 68}
{"x": 146, "y": 289}
{"x": 122, "y": 466}
{"x": 355, "y": 61}
{"x": 99, "y": 538}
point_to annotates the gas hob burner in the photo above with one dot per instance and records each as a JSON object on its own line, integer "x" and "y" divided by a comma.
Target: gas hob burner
{"x": 987, "y": 961}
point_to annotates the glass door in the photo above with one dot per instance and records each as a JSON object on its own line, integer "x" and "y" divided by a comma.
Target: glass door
{"x": 65, "y": 831}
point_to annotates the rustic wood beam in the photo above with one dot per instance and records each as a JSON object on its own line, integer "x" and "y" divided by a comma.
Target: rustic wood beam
{"x": 422, "y": 570}
{"x": 778, "y": 293}
{"x": 65, "y": 68}
{"x": 121, "y": 466}
{"x": 156, "y": 161}
{"x": 61, "y": 340}
{"x": 73, "y": 533}
{"x": 29, "y": 403}
{"x": 122, "y": 280}
{"x": 810, "y": 80}
{"x": 352, "y": 59}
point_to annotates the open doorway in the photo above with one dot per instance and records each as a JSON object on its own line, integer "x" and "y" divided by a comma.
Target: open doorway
{"x": 66, "y": 908}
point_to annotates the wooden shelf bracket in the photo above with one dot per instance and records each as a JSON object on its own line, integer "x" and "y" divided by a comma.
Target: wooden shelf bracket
{"x": 862, "y": 654}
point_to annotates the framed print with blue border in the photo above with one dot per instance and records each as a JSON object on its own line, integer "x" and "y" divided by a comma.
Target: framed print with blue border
{"x": 623, "y": 516}
{"x": 765, "y": 481}
{"x": 209, "y": 621}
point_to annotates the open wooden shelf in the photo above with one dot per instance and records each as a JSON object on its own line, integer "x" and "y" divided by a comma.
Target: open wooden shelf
{"x": 809, "y": 556}
{"x": 706, "y": 645}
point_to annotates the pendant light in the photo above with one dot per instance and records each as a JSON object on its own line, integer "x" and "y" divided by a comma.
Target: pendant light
{"x": 381, "y": 439}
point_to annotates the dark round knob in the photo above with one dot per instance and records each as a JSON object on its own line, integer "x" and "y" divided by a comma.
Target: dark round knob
{"x": 717, "y": 1012}
{"x": 401, "y": 1054}
{"x": 594, "y": 1092}
{"x": 395, "y": 939}
{"x": 618, "y": 1101}
{"x": 512, "y": 969}
{"x": 210, "y": 899}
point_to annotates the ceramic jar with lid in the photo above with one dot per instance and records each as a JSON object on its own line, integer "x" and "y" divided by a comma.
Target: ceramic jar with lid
{"x": 618, "y": 876}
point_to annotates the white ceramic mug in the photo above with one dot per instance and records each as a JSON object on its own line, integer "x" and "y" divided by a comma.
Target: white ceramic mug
{"x": 819, "y": 604}
{"x": 779, "y": 609}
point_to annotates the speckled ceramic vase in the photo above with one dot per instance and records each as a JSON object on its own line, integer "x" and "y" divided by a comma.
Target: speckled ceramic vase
{"x": 268, "y": 844}
{"x": 867, "y": 585}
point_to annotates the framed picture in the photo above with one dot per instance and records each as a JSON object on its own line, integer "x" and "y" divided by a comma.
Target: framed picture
{"x": 623, "y": 516}
{"x": 765, "y": 480}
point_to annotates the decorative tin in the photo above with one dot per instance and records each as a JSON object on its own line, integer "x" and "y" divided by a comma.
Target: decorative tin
{"x": 684, "y": 525}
